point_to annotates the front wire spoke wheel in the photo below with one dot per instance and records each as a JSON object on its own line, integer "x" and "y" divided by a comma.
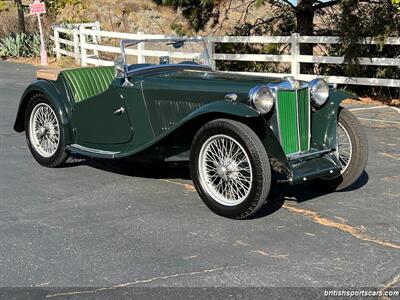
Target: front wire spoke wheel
{"x": 230, "y": 168}
{"x": 44, "y": 130}
{"x": 225, "y": 170}
{"x": 345, "y": 147}
{"x": 352, "y": 153}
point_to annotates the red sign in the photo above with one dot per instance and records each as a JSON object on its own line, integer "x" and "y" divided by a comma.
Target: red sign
{"x": 37, "y": 7}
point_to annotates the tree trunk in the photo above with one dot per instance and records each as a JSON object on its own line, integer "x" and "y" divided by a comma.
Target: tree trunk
{"x": 21, "y": 17}
{"x": 305, "y": 26}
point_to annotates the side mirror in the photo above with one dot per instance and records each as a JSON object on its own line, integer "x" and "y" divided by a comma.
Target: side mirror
{"x": 119, "y": 68}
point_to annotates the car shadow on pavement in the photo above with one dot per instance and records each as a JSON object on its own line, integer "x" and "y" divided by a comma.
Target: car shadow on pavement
{"x": 130, "y": 167}
{"x": 279, "y": 193}
{"x": 300, "y": 193}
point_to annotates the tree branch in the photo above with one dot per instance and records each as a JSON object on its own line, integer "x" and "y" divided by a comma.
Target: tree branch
{"x": 322, "y": 5}
{"x": 290, "y": 4}
{"x": 282, "y": 4}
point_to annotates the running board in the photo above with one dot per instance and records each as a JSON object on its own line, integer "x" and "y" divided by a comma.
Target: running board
{"x": 76, "y": 148}
{"x": 309, "y": 155}
{"x": 320, "y": 167}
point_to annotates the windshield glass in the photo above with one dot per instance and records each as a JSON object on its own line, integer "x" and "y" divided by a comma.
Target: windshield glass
{"x": 164, "y": 52}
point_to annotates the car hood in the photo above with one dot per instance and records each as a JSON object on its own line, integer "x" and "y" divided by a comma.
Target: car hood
{"x": 218, "y": 83}
{"x": 221, "y": 76}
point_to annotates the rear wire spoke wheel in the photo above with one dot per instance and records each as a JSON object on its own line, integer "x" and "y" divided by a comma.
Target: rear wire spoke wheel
{"x": 230, "y": 168}
{"x": 352, "y": 152}
{"x": 44, "y": 132}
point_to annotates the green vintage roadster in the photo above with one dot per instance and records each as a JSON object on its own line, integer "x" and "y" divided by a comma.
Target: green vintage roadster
{"x": 237, "y": 132}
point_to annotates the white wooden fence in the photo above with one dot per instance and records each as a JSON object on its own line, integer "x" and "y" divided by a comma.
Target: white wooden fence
{"x": 63, "y": 46}
{"x": 85, "y": 40}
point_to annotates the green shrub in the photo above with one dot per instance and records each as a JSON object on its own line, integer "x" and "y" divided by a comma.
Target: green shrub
{"x": 3, "y": 6}
{"x": 56, "y": 6}
{"x": 20, "y": 45}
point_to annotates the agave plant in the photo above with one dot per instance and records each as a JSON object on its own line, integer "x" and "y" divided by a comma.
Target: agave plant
{"x": 20, "y": 45}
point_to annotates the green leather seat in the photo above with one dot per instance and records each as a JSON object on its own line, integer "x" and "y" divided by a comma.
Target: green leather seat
{"x": 88, "y": 82}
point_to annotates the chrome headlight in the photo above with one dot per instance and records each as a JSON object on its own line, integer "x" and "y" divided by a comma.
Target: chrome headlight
{"x": 319, "y": 90}
{"x": 261, "y": 98}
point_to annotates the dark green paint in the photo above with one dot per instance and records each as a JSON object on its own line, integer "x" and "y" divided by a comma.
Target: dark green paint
{"x": 56, "y": 94}
{"x": 314, "y": 168}
{"x": 138, "y": 113}
{"x": 158, "y": 105}
{"x": 324, "y": 121}
{"x": 95, "y": 121}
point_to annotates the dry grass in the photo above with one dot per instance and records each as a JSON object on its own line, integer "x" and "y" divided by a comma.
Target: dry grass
{"x": 124, "y": 15}
{"x": 148, "y": 17}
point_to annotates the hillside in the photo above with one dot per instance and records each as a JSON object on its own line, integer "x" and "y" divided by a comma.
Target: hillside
{"x": 148, "y": 17}
{"x": 136, "y": 15}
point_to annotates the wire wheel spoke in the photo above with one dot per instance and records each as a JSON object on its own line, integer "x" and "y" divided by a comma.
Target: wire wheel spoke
{"x": 225, "y": 170}
{"x": 345, "y": 147}
{"x": 44, "y": 130}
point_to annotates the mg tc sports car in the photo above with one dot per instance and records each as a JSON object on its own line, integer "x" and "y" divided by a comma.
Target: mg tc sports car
{"x": 236, "y": 132}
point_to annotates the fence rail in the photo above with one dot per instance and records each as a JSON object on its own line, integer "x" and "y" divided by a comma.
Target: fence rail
{"x": 83, "y": 42}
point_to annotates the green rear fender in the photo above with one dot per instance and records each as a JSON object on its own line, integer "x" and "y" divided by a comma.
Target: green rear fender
{"x": 50, "y": 91}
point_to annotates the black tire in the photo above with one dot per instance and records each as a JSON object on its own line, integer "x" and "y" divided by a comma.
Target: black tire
{"x": 60, "y": 155}
{"x": 359, "y": 153}
{"x": 257, "y": 155}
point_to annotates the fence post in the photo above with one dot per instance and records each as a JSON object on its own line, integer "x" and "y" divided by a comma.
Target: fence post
{"x": 141, "y": 59}
{"x": 211, "y": 50}
{"x": 57, "y": 43}
{"x": 75, "y": 36}
{"x": 96, "y": 38}
{"x": 295, "y": 55}
{"x": 97, "y": 25}
{"x": 83, "y": 45}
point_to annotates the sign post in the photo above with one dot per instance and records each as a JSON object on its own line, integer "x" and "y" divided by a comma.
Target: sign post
{"x": 37, "y": 8}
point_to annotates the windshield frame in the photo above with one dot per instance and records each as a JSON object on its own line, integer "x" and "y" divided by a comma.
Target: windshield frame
{"x": 132, "y": 42}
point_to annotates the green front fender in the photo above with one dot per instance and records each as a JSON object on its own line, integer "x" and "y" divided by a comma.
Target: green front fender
{"x": 50, "y": 91}
{"x": 255, "y": 121}
{"x": 189, "y": 125}
{"x": 324, "y": 120}
{"x": 193, "y": 121}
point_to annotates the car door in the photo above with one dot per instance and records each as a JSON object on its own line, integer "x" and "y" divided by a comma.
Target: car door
{"x": 102, "y": 119}
{"x": 138, "y": 111}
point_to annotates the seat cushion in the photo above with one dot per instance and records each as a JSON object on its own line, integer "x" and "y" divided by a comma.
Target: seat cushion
{"x": 88, "y": 82}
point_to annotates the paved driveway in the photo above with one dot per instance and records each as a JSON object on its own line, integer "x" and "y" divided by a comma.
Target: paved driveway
{"x": 96, "y": 223}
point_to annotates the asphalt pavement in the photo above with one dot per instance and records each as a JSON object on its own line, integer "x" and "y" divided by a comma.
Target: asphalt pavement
{"x": 96, "y": 223}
